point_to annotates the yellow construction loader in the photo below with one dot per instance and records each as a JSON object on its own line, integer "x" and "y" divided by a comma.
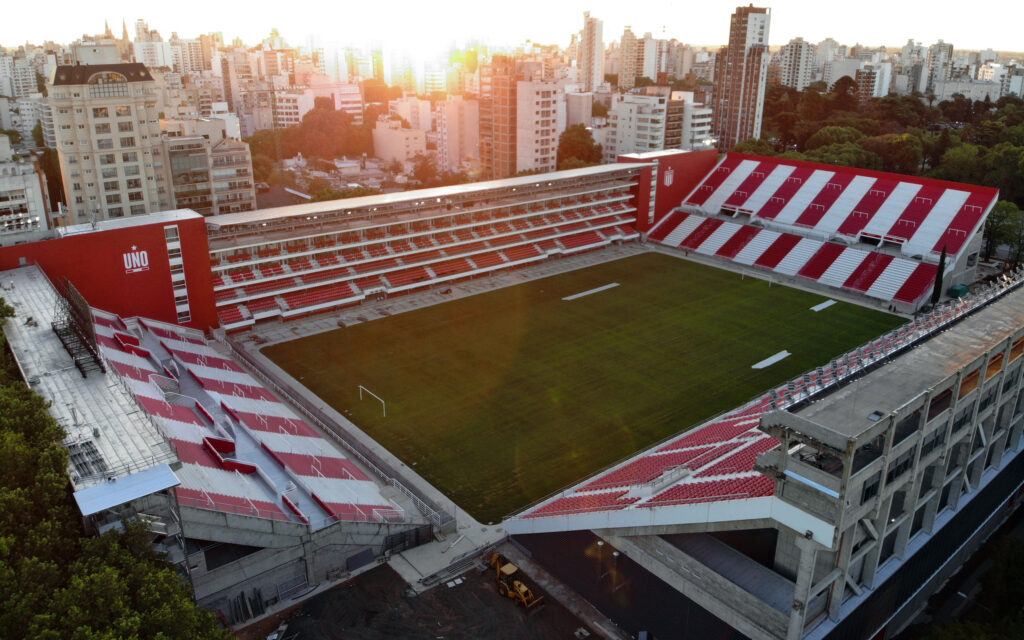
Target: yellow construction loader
{"x": 509, "y": 583}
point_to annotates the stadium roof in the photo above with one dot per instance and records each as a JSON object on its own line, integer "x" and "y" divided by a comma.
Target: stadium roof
{"x": 314, "y": 208}
{"x": 123, "y": 490}
{"x": 846, "y": 411}
{"x": 159, "y": 217}
{"x": 922, "y": 215}
{"x": 107, "y": 436}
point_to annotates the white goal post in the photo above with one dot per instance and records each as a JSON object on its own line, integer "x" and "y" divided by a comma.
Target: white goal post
{"x": 383, "y": 406}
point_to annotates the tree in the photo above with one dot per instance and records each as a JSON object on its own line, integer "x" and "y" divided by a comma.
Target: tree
{"x": 1015, "y": 236}
{"x": 900, "y": 152}
{"x": 424, "y": 168}
{"x": 832, "y": 135}
{"x": 939, "y": 274}
{"x": 998, "y": 226}
{"x": 37, "y": 134}
{"x": 598, "y": 109}
{"x": 577, "y": 142}
{"x": 847, "y": 154}
{"x": 755, "y": 146}
{"x": 12, "y": 134}
{"x": 338, "y": 194}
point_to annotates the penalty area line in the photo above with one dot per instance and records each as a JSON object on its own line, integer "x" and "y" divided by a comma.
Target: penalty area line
{"x": 587, "y": 293}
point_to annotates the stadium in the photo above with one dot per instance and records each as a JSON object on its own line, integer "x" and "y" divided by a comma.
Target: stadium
{"x": 726, "y": 370}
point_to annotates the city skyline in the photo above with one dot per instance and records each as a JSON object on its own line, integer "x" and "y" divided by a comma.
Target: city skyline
{"x": 425, "y": 28}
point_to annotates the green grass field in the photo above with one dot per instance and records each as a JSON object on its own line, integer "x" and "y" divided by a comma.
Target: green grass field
{"x": 501, "y": 398}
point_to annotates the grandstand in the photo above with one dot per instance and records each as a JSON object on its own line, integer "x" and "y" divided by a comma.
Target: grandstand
{"x": 180, "y": 436}
{"x": 867, "y": 233}
{"x": 293, "y": 261}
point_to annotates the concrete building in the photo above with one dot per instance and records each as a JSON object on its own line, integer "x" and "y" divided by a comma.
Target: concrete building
{"x": 291, "y": 106}
{"x": 416, "y": 112}
{"x": 591, "y": 53}
{"x": 540, "y": 120}
{"x": 392, "y": 142}
{"x": 498, "y": 125}
{"x": 17, "y": 77}
{"x": 631, "y": 60}
{"x": 578, "y": 108}
{"x": 740, "y": 77}
{"x": 108, "y": 140}
{"x": 873, "y": 80}
{"x": 798, "y": 64}
{"x": 101, "y": 52}
{"x": 207, "y": 171}
{"x": 154, "y": 54}
{"x": 636, "y": 124}
{"x": 938, "y": 66}
{"x": 23, "y": 201}
{"x": 458, "y": 134}
{"x": 841, "y": 67}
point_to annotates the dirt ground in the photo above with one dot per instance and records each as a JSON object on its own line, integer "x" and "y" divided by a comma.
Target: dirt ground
{"x": 377, "y": 605}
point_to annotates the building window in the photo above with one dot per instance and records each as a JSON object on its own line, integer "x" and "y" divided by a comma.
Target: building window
{"x": 114, "y": 198}
{"x": 110, "y": 172}
{"x": 124, "y": 110}
{"x": 131, "y": 170}
{"x": 106, "y": 143}
{"x": 100, "y": 112}
{"x": 110, "y": 186}
{"x": 133, "y": 183}
{"x": 128, "y": 142}
{"x": 115, "y": 212}
{"x": 124, "y": 127}
{"x": 135, "y": 196}
{"x": 103, "y": 127}
{"x": 129, "y": 156}
{"x": 138, "y": 209}
{"x": 107, "y": 158}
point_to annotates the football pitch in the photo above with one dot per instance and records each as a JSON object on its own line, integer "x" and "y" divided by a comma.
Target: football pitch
{"x": 503, "y": 397}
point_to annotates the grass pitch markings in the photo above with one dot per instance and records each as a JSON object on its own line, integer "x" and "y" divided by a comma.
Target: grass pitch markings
{"x": 767, "y": 362}
{"x": 587, "y": 293}
{"x": 501, "y": 398}
{"x": 823, "y": 306}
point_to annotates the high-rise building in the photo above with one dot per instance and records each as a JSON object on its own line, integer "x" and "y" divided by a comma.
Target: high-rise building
{"x": 108, "y": 140}
{"x": 498, "y": 118}
{"x": 591, "y": 53}
{"x": 938, "y": 66}
{"x": 23, "y": 198}
{"x": 17, "y": 77}
{"x": 631, "y": 60}
{"x": 458, "y": 132}
{"x": 740, "y": 76}
{"x": 797, "y": 59}
{"x": 206, "y": 170}
{"x": 540, "y": 119}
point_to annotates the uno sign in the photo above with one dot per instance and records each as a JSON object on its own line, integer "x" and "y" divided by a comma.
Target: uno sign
{"x": 135, "y": 260}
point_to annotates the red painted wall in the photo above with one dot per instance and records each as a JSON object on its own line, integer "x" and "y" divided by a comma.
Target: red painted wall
{"x": 94, "y": 262}
{"x": 678, "y": 175}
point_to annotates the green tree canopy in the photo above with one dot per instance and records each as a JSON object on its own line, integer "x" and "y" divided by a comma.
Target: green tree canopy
{"x": 577, "y": 142}
{"x": 832, "y": 135}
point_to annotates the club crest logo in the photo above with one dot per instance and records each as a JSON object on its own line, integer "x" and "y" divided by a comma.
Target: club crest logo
{"x": 135, "y": 260}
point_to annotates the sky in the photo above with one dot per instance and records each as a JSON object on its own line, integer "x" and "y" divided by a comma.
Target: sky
{"x": 436, "y": 24}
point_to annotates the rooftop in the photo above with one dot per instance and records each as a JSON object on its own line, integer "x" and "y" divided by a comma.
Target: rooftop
{"x": 160, "y": 217}
{"x": 312, "y": 208}
{"x": 107, "y": 435}
{"x": 80, "y": 73}
{"x": 846, "y": 410}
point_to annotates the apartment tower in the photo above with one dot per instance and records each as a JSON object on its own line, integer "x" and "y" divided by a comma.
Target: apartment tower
{"x": 741, "y": 70}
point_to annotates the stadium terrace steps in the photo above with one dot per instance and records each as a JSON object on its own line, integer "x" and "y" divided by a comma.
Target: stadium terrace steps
{"x": 237, "y": 443}
{"x": 443, "y": 249}
{"x": 924, "y": 215}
